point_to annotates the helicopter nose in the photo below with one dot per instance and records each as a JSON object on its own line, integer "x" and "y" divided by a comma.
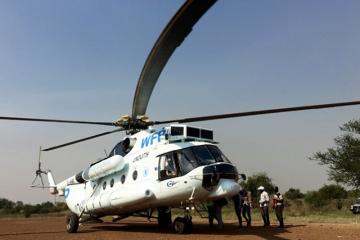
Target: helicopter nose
{"x": 213, "y": 173}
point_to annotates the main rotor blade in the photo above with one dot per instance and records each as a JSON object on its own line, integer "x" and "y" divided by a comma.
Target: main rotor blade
{"x": 55, "y": 120}
{"x": 171, "y": 37}
{"x": 81, "y": 140}
{"x": 258, "y": 112}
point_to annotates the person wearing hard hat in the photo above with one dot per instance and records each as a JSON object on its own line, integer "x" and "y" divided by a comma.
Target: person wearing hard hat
{"x": 264, "y": 205}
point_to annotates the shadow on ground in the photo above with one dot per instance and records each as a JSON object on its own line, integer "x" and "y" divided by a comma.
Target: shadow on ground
{"x": 198, "y": 229}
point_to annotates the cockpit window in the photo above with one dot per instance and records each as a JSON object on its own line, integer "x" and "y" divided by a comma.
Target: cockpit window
{"x": 181, "y": 162}
{"x": 218, "y": 155}
{"x": 118, "y": 150}
{"x": 203, "y": 155}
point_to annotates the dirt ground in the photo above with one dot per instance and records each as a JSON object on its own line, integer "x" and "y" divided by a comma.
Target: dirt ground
{"x": 135, "y": 228}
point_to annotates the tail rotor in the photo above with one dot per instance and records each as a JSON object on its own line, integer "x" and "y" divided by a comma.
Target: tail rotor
{"x": 38, "y": 174}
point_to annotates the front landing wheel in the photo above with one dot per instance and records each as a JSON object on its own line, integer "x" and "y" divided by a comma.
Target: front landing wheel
{"x": 72, "y": 223}
{"x": 182, "y": 225}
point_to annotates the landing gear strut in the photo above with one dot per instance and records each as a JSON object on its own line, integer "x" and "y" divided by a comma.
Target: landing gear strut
{"x": 72, "y": 223}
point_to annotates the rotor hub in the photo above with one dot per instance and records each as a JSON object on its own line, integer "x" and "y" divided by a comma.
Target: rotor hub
{"x": 128, "y": 123}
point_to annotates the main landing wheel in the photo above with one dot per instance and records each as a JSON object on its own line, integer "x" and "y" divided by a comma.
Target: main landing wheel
{"x": 72, "y": 223}
{"x": 182, "y": 225}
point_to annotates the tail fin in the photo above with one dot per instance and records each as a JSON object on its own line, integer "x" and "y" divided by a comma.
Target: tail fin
{"x": 52, "y": 184}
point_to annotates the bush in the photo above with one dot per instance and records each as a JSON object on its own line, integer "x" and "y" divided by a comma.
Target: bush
{"x": 333, "y": 191}
{"x": 325, "y": 195}
{"x": 293, "y": 193}
{"x": 28, "y": 210}
{"x": 315, "y": 199}
{"x": 257, "y": 180}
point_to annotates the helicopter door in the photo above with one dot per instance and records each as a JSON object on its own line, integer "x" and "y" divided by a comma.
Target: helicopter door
{"x": 167, "y": 167}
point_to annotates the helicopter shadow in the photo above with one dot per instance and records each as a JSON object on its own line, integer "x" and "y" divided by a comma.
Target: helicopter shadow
{"x": 198, "y": 229}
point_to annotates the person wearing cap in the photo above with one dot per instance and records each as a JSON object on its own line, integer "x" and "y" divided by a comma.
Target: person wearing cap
{"x": 264, "y": 206}
{"x": 278, "y": 205}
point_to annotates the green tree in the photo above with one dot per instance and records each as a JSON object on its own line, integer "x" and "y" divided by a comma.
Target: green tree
{"x": 333, "y": 191}
{"x": 28, "y": 210}
{"x": 315, "y": 199}
{"x": 61, "y": 206}
{"x": 343, "y": 160}
{"x": 325, "y": 194}
{"x": 47, "y": 207}
{"x": 293, "y": 193}
{"x": 257, "y": 180}
{"x": 6, "y": 204}
{"x": 18, "y": 207}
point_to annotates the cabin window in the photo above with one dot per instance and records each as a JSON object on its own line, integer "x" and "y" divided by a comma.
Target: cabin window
{"x": 122, "y": 179}
{"x": 186, "y": 160}
{"x": 135, "y": 174}
{"x": 104, "y": 185}
{"x": 112, "y": 183}
{"x": 167, "y": 166}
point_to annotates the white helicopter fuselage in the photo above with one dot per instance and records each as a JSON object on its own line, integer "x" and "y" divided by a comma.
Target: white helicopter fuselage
{"x": 120, "y": 185}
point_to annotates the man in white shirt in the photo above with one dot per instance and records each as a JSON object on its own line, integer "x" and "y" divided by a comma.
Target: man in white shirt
{"x": 264, "y": 206}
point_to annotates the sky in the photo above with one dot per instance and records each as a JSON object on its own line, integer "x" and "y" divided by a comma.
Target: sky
{"x": 81, "y": 60}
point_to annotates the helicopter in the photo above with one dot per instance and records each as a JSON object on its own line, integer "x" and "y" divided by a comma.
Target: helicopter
{"x": 174, "y": 166}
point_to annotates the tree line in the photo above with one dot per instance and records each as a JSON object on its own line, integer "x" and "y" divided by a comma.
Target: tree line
{"x": 8, "y": 207}
{"x": 325, "y": 195}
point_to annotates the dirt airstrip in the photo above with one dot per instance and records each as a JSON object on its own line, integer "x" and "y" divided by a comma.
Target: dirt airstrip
{"x": 54, "y": 228}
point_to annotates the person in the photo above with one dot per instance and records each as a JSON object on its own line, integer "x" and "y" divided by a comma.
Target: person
{"x": 149, "y": 214}
{"x": 278, "y": 205}
{"x": 246, "y": 207}
{"x": 215, "y": 212}
{"x": 238, "y": 204}
{"x": 211, "y": 213}
{"x": 264, "y": 206}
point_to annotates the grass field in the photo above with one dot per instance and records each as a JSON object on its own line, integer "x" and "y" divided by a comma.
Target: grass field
{"x": 294, "y": 212}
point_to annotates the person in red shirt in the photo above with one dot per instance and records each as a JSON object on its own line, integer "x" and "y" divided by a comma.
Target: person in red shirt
{"x": 278, "y": 205}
